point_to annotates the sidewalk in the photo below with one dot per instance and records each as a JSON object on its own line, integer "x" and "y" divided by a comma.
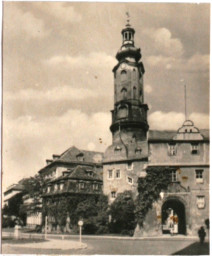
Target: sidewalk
{"x": 69, "y": 236}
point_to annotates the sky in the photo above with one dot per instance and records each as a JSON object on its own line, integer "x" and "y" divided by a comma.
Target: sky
{"x": 58, "y": 82}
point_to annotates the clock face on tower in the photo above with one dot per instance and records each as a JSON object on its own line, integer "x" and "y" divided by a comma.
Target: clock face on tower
{"x": 123, "y": 65}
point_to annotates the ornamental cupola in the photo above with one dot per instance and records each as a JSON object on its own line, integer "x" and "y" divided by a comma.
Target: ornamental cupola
{"x": 128, "y": 49}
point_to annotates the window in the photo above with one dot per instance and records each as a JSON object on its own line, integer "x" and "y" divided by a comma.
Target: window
{"x": 55, "y": 187}
{"x": 174, "y": 176}
{"x": 124, "y": 93}
{"x": 122, "y": 111}
{"x": 201, "y": 202}
{"x": 61, "y": 186}
{"x": 117, "y": 149}
{"x": 110, "y": 174}
{"x": 130, "y": 166}
{"x": 118, "y": 174}
{"x": 95, "y": 186}
{"x": 129, "y": 180}
{"x": 81, "y": 185}
{"x": 199, "y": 176}
{"x": 134, "y": 93}
{"x": 172, "y": 149}
{"x": 194, "y": 148}
{"x": 49, "y": 188}
{"x": 123, "y": 75}
{"x": 113, "y": 194}
{"x": 138, "y": 151}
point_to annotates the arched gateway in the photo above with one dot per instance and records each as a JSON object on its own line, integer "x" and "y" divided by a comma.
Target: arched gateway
{"x": 173, "y": 217}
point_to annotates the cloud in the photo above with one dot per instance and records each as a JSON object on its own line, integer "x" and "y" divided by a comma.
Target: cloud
{"x": 17, "y": 22}
{"x": 52, "y": 95}
{"x": 196, "y": 63}
{"x": 148, "y": 89}
{"x": 163, "y": 42}
{"x": 60, "y": 11}
{"x": 36, "y": 140}
{"x": 94, "y": 60}
{"x": 173, "y": 120}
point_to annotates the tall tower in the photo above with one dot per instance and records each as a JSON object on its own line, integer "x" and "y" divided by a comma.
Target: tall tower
{"x": 124, "y": 159}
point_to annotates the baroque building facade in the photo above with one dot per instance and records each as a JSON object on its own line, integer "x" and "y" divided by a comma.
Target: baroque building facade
{"x": 184, "y": 206}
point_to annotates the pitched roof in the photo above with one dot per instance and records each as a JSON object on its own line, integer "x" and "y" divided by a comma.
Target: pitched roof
{"x": 80, "y": 173}
{"x": 155, "y": 135}
{"x": 89, "y": 156}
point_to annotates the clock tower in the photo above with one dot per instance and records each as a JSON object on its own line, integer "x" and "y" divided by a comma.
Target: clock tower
{"x": 124, "y": 159}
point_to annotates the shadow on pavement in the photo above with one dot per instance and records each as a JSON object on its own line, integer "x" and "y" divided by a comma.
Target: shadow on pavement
{"x": 194, "y": 249}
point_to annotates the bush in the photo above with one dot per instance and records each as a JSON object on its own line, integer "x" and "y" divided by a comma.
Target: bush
{"x": 8, "y": 222}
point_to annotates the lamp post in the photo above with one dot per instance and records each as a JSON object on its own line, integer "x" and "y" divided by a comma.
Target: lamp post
{"x": 80, "y": 223}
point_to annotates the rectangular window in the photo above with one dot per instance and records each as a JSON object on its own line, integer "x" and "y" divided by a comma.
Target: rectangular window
{"x": 110, "y": 174}
{"x": 81, "y": 185}
{"x": 194, "y": 148}
{"x": 48, "y": 189}
{"x": 199, "y": 176}
{"x": 172, "y": 149}
{"x": 118, "y": 174}
{"x": 174, "y": 176}
{"x": 55, "y": 187}
{"x": 129, "y": 180}
{"x": 61, "y": 186}
{"x": 113, "y": 194}
{"x": 201, "y": 202}
{"x": 95, "y": 186}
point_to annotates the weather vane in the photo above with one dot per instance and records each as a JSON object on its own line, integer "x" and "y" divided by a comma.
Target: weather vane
{"x": 128, "y": 18}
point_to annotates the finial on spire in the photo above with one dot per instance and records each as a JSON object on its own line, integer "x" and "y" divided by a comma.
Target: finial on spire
{"x": 128, "y": 19}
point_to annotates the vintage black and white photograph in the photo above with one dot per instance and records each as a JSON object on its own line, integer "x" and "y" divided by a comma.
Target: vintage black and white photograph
{"x": 105, "y": 128}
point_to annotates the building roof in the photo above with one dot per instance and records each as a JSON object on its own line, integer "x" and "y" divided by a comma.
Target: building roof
{"x": 155, "y": 135}
{"x": 73, "y": 155}
{"x": 80, "y": 173}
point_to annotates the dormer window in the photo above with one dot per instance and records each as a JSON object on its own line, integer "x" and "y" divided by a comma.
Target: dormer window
{"x": 90, "y": 173}
{"x": 194, "y": 148}
{"x": 80, "y": 157}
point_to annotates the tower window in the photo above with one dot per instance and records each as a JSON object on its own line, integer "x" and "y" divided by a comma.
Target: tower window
{"x": 124, "y": 93}
{"x": 122, "y": 112}
{"x": 174, "y": 176}
{"x": 110, "y": 174}
{"x": 172, "y": 151}
{"x": 123, "y": 75}
{"x": 134, "y": 93}
{"x": 129, "y": 180}
{"x": 199, "y": 176}
{"x": 138, "y": 151}
{"x": 194, "y": 148}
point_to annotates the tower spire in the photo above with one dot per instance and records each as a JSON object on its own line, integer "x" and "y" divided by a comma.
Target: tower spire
{"x": 128, "y": 19}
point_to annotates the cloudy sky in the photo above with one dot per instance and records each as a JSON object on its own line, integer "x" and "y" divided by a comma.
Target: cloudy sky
{"x": 58, "y": 82}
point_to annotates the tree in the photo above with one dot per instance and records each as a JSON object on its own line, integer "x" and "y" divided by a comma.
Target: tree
{"x": 122, "y": 213}
{"x": 149, "y": 188}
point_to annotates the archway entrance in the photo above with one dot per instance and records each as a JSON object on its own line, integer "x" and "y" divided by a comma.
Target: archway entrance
{"x": 173, "y": 217}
